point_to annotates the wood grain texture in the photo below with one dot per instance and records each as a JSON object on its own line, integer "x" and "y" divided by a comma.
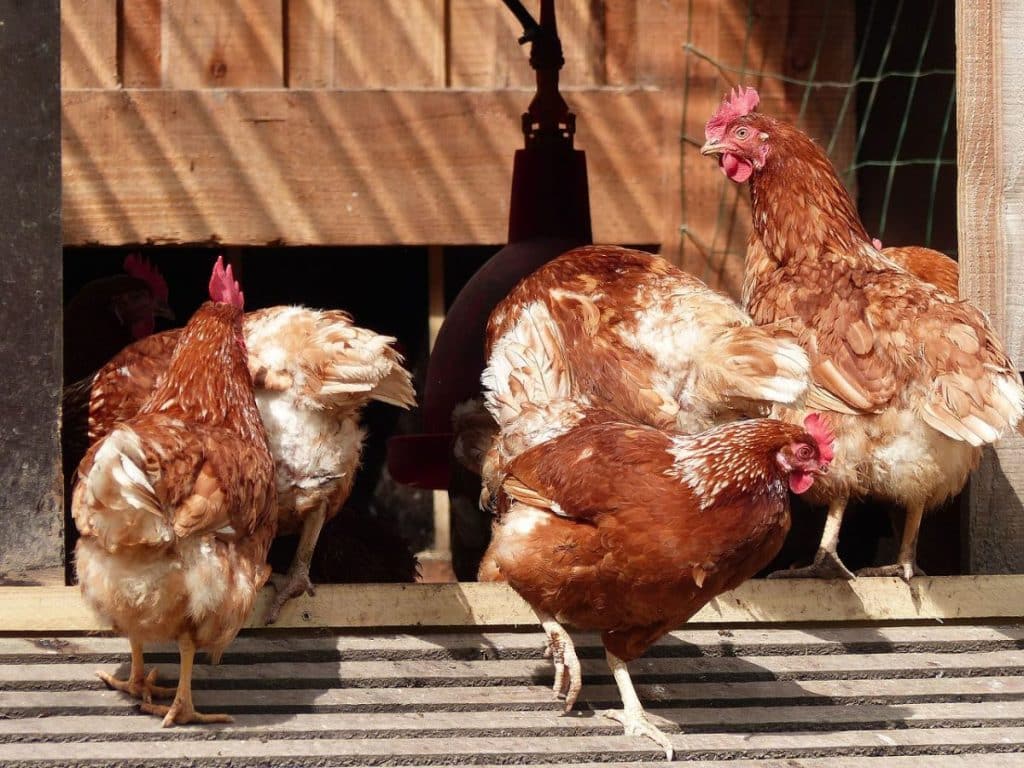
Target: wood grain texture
{"x": 60, "y": 609}
{"x": 389, "y": 44}
{"x": 990, "y": 228}
{"x": 88, "y": 42}
{"x": 141, "y": 43}
{"x": 31, "y": 508}
{"x": 222, "y": 45}
{"x": 334, "y": 167}
{"x": 310, "y": 39}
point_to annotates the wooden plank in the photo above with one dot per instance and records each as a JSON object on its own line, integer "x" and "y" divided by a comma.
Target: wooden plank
{"x": 49, "y": 609}
{"x": 141, "y": 43}
{"x": 310, "y": 40}
{"x": 222, "y": 45}
{"x": 31, "y": 504}
{"x": 88, "y": 42}
{"x": 518, "y": 723}
{"x": 389, "y": 44}
{"x": 416, "y": 672}
{"x": 764, "y": 746}
{"x": 990, "y": 225}
{"x": 737, "y": 641}
{"x": 809, "y": 694}
{"x": 328, "y": 167}
{"x": 484, "y": 52}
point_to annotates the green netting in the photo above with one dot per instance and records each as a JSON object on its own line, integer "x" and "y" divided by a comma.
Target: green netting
{"x": 901, "y": 95}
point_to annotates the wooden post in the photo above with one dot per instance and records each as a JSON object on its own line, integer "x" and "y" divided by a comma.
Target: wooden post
{"x": 31, "y": 511}
{"x": 442, "y": 548}
{"x": 990, "y": 197}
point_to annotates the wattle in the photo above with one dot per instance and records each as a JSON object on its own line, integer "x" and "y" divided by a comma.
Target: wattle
{"x": 734, "y": 168}
{"x": 800, "y": 481}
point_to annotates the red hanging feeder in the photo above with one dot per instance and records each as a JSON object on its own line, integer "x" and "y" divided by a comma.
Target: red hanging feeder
{"x": 548, "y": 215}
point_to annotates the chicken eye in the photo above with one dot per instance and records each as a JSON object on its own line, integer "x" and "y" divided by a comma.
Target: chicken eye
{"x": 804, "y": 452}
{"x": 742, "y": 133}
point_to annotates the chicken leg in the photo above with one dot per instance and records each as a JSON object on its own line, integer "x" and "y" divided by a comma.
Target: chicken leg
{"x": 181, "y": 711}
{"x": 827, "y": 564}
{"x": 297, "y": 581}
{"x": 139, "y": 684}
{"x": 906, "y": 566}
{"x": 632, "y": 715}
{"x": 568, "y": 675}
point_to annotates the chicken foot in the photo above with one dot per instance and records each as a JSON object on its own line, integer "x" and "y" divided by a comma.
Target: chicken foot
{"x": 138, "y": 685}
{"x": 827, "y": 564}
{"x": 568, "y": 675}
{"x": 906, "y": 566}
{"x": 181, "y": 711}
{"x": 297, "y": 580}
{"x": 632, "y": 716}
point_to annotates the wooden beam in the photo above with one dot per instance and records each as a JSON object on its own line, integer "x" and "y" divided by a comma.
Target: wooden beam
{"x": 337, "y": 167}
{"x": 31, "y": 508}
{"x": 990, "y": 226}
{"x": 349, "y": 606}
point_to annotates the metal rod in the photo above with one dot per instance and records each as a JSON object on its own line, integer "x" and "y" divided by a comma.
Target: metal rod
{"x": 530, "y": 25}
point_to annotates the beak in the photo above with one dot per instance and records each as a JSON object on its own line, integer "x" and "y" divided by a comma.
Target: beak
{"x": 822, "y": 469}
{"x": 712, "y": 147}
{"x": 163, "y": 309}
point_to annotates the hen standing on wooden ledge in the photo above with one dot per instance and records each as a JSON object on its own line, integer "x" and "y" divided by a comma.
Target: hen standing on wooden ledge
{"x": 176, "y": 507}
{"x": 916, "y": 380}
{"x": 630, "y": 531}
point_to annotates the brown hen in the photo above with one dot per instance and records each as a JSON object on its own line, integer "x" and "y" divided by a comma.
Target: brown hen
{"x": 630, "y": 530}
{"x": 314, "y": 372}
{"x": 916, "y": 380}
{"x": 175, "y": 506}
{"x": 628, "y": 332}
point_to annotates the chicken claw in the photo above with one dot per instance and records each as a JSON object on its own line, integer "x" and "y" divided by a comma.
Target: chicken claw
{"x": 636, "y": 723}
{"x": 294, "y": 584}
{"x": 826, "y": 565}
{"x": 138, "y": 686}
{"x": 632, "y": 715}
{"x": 905, "y": 571}
{"x": 568, "y": 675}
{"x": 181, "y": 712}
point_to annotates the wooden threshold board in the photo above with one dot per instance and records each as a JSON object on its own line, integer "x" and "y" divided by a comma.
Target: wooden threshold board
{"x": 341, "y": 606}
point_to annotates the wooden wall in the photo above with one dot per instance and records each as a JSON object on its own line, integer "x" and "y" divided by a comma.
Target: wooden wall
{"x": 394, "y": 121}
{"x": 990, "y": 190}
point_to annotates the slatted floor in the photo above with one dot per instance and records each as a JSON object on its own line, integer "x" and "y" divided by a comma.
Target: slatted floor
{"x": 892, "y": 697}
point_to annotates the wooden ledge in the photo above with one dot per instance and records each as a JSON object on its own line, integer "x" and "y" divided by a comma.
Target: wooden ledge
{"x": 360, "y": 606}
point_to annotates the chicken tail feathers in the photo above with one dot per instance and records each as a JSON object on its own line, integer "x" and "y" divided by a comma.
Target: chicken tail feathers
{"x": 115, "y": 501}
{"x": 756, "y": 365}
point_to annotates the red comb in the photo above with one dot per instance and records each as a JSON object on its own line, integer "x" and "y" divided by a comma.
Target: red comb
{"x": 741, "y": 101}
{"x": 817, "y": 426}
{"x": 223, "y": 286}
{"x": 139, "y": 267}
